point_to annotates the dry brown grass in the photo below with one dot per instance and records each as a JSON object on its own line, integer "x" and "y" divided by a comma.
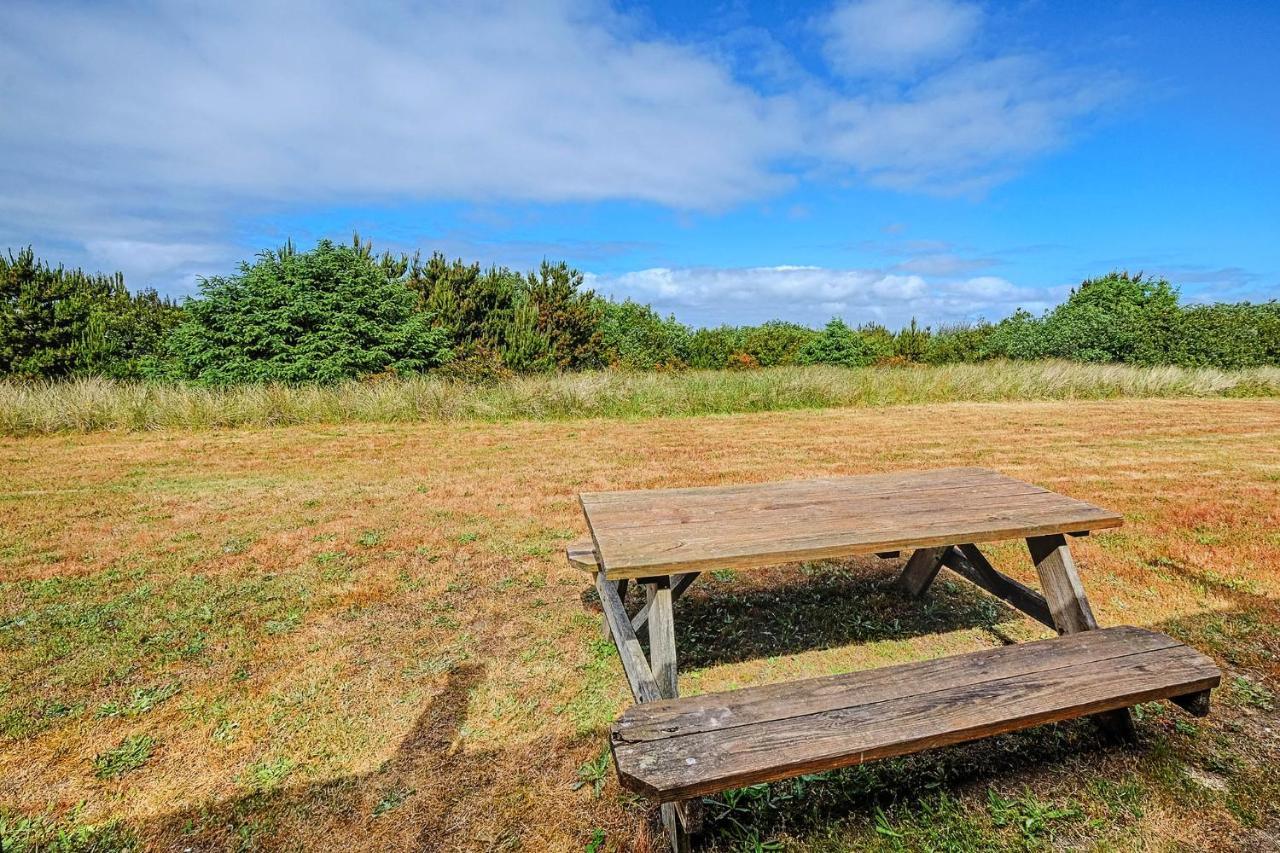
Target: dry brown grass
{"x": 372, "y": 614}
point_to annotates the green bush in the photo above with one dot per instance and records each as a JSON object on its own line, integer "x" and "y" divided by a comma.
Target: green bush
{"x": 340, "y": 312}
{"x": 776, "y": 342}
{"x": 880, "y": 342}
{"x": 540, "y": 321}
{"x": 59, "y": 322}
{"x": 333, "y": 313}
{"x": 712, "y": 349}
{"x": 959, "y": 343}
{"x": 838, "y": 344}
{"x": 912, "y": 342}
{"x": 636, "y": 337}
{"x": 1228, "y": 336}
{"x": 1118, "y": 317}
{"x": 1137, "y": 320}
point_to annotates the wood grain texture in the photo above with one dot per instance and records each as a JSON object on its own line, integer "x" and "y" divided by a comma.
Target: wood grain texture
{"x": 644, "y": 687}
{"x": 679, "y": 583}
{"x": 667, "y": 531}
{"x": 920, "y": 570}
{"x": 1061, "y": 584}
{"x": 689, "y": 747}
{"x": 662, "y": 637}
{"x": 582, "y": 555}
{"x": 970, "y": 563}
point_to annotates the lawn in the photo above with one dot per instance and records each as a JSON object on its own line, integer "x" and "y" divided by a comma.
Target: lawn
{"x": 365, "y": 636}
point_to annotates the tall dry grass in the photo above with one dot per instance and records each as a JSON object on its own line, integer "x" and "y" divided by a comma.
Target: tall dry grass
{"x": 85, "y": 405}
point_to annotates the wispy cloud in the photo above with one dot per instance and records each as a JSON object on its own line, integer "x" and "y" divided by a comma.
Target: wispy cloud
{"x": 813, "y": 294}
{"x": 874, "y": 37}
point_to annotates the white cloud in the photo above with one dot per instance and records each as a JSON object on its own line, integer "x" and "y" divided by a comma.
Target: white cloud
{"x": 964, "y": 129}
{"x": 869, "y": 37}
{"x": 148, "y": 259}
{"x": 147, "y": 134}
{"x": 808, "y": 294}
{"x": 304, "y": 102}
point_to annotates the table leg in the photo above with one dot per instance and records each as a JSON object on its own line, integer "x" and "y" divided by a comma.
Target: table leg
{"x": 621, "y": 588}
{"x": 922, "y": 567}
{"x": 1071, "y": 611}
{"x": 662, "y": 658}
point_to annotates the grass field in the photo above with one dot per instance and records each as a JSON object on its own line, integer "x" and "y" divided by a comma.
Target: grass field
{"x": 86, "y": 405}
{"x": 366, "y": 637}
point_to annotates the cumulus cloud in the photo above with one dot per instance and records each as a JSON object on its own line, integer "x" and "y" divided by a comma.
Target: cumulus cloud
{"x": 810, "y": 294}
{"x": 147, "y": 134}
{"x": 896, "y": 36}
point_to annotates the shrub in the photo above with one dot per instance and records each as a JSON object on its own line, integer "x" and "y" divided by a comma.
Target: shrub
{"x": 711, "y": 349}
{"x": 1019, "y": 336}
{"x": 476, "y": 364}
{"x": 958, "y": 343}
{"x": 1135, "y": 319}
{"x": 1119, "y": 317}
{"x": 837, "y": 344}
{"x": 333, "y": 313}
{"x": 1228, "y": 336}
{"x": 60, "y": 322}
{"x": 776, "y": 342}
{"x": 912, "y": 342}
{"x": 540, "y": 321}
{"x": 635, "y": 336}
{"x": 879, "y": 341}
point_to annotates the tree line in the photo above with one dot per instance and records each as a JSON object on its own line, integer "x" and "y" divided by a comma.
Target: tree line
{"x": 341, "y": 311}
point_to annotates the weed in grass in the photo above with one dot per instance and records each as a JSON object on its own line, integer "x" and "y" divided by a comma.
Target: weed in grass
{"x": 24, "y": 722}
{"x": 392, "y": 799}
{"x": 142, "y": 700}
{"x": 596, "y": 844}
{"x": 236, "y": 545}
{"x": 433, "y": 666}
{"x": 46, "y": 833}
{"x": 370, "y": 538}
{"x": 595, "y": 702}
{"x": 131, "y": 754}
{"x": 1254, "y": 694}
{"x": 1123, "y": 800}
{"x": 267, "y": 774}
{"x": 593, "y": 773}
{"x": 225, "y": 732}
{"x": 1032, "y": 817}
{"x": 289, "y": 623}
{"x": 933, "y": 823}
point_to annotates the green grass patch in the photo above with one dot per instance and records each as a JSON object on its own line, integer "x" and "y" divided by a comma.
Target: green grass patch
{"x": 131, "y": 754}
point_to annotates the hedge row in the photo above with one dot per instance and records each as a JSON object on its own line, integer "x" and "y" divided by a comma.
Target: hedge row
{"x": 340, "y": 311}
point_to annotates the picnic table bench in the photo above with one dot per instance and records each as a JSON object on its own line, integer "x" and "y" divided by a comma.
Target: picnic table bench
{"x": 675, "y": 749}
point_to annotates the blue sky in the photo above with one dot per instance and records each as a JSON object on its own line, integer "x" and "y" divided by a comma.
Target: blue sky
{"x": 877, "y": 159}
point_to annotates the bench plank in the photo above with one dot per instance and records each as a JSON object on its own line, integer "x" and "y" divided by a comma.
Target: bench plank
{"x": 690, "y": 747}
{"x": 665, "y": 531}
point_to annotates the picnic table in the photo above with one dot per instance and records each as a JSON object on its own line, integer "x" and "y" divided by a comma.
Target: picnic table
{"x": 675, "y": 750}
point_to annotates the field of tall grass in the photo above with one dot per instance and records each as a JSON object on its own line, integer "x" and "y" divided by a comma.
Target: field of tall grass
{"x": 87, "y": 405}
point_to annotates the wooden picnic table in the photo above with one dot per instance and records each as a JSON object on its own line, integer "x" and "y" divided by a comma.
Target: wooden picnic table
{"x": 673, "y": 749}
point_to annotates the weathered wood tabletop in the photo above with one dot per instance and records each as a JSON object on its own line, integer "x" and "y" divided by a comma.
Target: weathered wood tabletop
{"x": 671, "y": 531}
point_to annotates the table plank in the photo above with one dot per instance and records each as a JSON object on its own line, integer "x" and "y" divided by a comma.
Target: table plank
{"x": 663, "y": 531}
{"x": 674, "y": 750}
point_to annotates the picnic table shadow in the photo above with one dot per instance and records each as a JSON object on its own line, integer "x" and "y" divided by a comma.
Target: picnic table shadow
{"x": 441, "y": 785}
{"x": 731, "y": 617}
{"x": 424, "y": 783}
